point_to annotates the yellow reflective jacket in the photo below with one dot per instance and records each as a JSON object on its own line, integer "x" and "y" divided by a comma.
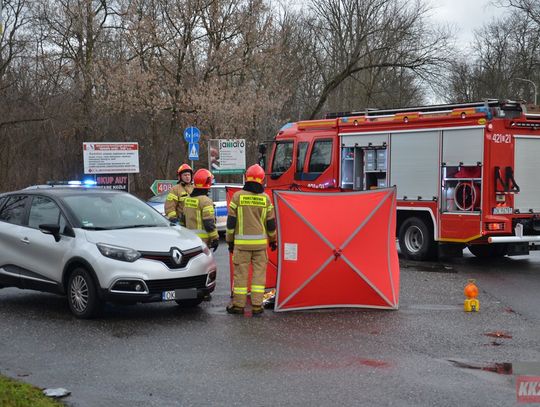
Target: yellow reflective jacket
{"x": 200, "y": 217}
{"x": 253, "y": 218}
{"x": 175, "y": 200}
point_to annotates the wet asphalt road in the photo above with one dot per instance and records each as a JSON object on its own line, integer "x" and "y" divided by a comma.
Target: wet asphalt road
{"x": 160, "y": 355}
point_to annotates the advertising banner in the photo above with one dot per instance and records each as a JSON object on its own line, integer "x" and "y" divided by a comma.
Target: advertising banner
{"x": 117, "y": 182}
{"x": 110, "y": 158}
{"x": 227, "y": 156}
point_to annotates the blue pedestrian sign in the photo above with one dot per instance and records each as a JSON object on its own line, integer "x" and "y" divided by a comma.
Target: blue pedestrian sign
{"x": 193, "y": 151}
{"x": 192, "y": 134}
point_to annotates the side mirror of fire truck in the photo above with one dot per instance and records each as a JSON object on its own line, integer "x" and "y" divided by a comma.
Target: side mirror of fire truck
{"x": 262, "y": 157}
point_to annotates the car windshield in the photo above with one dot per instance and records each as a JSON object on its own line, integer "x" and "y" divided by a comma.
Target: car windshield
{"x": 219, "y": 194}
{"x": 159, "y": 198}
{"x": 113, "y": 211}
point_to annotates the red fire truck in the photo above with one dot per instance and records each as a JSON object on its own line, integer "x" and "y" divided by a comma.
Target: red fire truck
{"x": 465, "y": 173}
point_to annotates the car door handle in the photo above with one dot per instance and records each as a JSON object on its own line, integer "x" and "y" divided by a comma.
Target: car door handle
{"x": 25, "y": 240}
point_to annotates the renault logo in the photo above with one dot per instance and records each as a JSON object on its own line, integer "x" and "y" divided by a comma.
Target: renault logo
{"x": 176, "y": 255}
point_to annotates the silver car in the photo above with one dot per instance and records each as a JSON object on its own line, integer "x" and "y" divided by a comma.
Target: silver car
{"x": 98, "y": 245}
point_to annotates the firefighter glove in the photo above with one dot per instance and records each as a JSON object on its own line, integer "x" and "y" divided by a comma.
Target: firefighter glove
{"x": 273, "y": 246}
{"x": 231, "y": 247}
{"x": 214, "y": 244}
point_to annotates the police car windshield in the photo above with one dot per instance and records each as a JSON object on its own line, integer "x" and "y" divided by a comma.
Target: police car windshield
{"x": 113, "y": 211}
{"x": 159, "y": 198}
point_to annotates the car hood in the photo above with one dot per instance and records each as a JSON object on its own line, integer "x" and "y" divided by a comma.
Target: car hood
{"x": 155, "y": 239}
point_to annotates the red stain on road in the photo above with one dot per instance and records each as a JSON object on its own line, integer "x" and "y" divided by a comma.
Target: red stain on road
{"x": 499, "y": 334}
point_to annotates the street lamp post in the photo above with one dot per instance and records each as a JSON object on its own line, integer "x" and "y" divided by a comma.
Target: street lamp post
{"x": 534, "y": 85}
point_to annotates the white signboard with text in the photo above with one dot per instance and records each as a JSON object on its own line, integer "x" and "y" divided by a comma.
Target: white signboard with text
{"x": 227, "y": 156}
{"x": 110, "y": 158}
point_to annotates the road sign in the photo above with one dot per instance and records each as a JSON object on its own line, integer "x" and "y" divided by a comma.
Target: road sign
{"x": 193, "y": 151}
{"x": 192, "y": 134}
{"x": 162, "y": 185}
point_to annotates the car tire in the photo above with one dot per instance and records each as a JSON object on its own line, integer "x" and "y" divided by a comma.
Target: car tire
{"x": 83, "y": 299}
{"x": 489, "y": 250}
{"x": 416, "y": 240}
{"x": 191, "y": 303}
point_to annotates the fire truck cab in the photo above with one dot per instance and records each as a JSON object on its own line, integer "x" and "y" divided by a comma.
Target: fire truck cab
{"x": 466, "y": 174}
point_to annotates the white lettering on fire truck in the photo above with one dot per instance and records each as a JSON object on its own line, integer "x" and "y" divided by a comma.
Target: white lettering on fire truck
{"x": 502, "y": 138}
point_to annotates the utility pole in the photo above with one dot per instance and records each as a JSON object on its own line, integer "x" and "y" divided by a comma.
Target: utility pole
{"x": 517, "y": 79}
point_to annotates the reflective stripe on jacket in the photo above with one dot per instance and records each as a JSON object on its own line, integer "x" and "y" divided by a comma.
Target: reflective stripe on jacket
{"x": 175, "y": 200}
{"x": 200, "y": 217}
{"x": 251, "y": 212}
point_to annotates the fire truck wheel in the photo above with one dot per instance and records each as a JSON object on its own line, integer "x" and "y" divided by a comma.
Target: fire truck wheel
{"x": 416, "y": 240}
{"x": 489, "y": 250}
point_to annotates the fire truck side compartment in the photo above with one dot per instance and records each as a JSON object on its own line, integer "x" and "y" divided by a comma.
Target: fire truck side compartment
{"x": 527, "y": 174}
{"x": 463, "y": 146}
{"x": 414, "y": 164}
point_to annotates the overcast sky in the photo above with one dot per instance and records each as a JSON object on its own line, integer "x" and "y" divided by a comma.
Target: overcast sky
{"x": 465, "y": 15}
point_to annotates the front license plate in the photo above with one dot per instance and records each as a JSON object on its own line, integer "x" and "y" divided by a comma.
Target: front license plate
{"x": 184, "y": 294}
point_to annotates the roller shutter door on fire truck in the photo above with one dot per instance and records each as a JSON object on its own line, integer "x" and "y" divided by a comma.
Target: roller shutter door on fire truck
{"x": 527, "y": 173}
{"x": 414, "y": 164}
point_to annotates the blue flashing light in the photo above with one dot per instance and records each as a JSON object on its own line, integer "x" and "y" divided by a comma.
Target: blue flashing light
{"x": 286, "y": 126}
{"x": 74, "y": 183}
{"x": 486, "y": 111}
{"x": 89, "y": 182}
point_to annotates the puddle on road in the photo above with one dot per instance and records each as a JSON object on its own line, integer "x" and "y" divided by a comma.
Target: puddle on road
{"x": 433, "y": 307}
{"x": 499, "y": 368}
{"x": 430, "y": 267}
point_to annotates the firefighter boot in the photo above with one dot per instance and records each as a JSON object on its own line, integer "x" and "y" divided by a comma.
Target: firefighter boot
{"x": 257, "y": 310}
{"x": 233, "y": 309}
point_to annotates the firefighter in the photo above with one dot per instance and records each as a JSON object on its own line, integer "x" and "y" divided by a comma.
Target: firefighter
{"x": 251, "y": 226}
{"x": 198, "y": 214}
{"x": 175, "y": 199}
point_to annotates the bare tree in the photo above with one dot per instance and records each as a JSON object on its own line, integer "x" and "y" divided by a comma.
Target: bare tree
{"x": 353, "y": 36}
{"x": 507, "y": 49}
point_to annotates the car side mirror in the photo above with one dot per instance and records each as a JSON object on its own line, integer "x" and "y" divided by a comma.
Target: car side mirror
{"x": 262, "y": 149}
{"x": 50, "y": 229}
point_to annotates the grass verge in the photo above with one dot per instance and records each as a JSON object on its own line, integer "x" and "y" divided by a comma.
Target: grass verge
{"x": 18, "y": 394}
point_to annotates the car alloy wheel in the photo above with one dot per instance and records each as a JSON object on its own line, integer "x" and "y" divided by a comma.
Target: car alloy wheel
{"x": 82, "y": 295}
{"x": 79, "y": 294}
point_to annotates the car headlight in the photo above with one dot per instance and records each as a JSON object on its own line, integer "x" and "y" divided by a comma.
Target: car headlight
{"x": 118, "y": 253}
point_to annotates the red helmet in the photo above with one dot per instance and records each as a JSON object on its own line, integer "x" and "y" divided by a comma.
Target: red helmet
{"x": 255, "y": 173}
{"x": 203, "y": 179}
{"x": 184, "y": 168}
